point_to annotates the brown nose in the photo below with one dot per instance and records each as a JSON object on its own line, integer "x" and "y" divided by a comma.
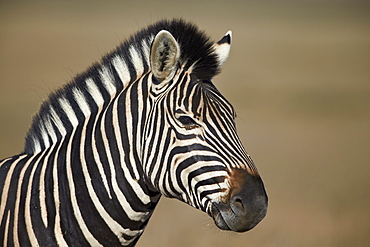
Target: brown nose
{"x": 244, "y": 206}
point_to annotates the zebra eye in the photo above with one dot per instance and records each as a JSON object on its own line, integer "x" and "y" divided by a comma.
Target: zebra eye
{"x": 188, "y": 122}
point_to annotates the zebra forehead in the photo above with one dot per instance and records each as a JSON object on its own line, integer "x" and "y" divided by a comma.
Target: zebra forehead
{"x": 200, "y": 95}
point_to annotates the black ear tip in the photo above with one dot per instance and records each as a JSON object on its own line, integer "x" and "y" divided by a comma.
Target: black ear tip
{"x": 226, "y": 39}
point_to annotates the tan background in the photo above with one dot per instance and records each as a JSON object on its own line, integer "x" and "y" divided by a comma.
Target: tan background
{"x": 298, "y": 76}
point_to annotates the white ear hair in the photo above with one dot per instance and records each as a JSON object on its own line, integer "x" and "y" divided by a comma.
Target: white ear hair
{"x": 222, "y": 48}
{"x": 164, "y": 55}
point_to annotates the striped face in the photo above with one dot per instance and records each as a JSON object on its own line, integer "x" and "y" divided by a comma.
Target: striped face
{"x": 202, "y": 161}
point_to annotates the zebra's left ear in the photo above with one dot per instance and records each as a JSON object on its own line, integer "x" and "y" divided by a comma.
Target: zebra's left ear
{"x": 164, "y": 56}
{"x": 222, "y": 48}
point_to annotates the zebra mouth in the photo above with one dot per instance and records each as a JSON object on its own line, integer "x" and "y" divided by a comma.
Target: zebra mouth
{"x": 229, "y": 218}
{"x": 216, "y": 215}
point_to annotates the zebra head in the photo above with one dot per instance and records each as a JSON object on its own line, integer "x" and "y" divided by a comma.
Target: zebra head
{"x": 203, "y": 162}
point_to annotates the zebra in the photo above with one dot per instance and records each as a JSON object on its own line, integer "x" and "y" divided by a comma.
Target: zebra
{"x": 143, "y": 122}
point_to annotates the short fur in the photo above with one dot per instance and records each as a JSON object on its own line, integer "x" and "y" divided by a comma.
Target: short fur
{"x": 197, "y": 53}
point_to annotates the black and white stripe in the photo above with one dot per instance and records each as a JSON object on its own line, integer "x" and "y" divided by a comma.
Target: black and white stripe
{"x": 104, "y": 148}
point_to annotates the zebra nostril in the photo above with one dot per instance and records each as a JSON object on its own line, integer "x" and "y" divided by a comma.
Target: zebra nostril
{"x": 239, "y": 203}
{"x": 237, "y": 206}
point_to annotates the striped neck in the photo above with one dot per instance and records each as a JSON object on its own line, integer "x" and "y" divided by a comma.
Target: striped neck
{"x": 89, "y": 95}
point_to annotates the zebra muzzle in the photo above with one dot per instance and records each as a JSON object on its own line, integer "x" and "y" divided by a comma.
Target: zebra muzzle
{"x": 244, "y": 206}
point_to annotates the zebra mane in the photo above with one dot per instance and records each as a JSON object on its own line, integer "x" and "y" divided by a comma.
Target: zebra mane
{"x": 197, "y": 54}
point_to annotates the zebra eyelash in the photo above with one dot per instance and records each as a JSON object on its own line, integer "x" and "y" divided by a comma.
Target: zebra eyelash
{"x": 187, "y": 122}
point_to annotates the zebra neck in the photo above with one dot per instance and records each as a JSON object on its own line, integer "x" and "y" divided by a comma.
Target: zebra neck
{"x": 92, "y": 129}
{"x": 88, "y": 96}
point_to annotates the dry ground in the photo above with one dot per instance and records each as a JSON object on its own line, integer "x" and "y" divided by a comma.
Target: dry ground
{"x": 298, "y": 76}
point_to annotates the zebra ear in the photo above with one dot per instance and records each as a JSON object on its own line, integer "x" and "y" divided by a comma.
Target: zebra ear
{"x": 222, "y": 48}
{"x": 164, "y": 55}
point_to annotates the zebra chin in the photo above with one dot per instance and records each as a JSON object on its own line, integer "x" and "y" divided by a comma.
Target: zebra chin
{"x": 244, "y": 206}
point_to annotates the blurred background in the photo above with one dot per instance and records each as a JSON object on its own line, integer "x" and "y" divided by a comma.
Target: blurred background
{"x": 298, "y": 76}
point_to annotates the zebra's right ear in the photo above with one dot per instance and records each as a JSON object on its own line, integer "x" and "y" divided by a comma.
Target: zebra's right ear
{"x": 164, "y": 56}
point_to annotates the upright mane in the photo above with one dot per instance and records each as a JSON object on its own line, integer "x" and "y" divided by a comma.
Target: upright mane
{"x": 196, "y": 51}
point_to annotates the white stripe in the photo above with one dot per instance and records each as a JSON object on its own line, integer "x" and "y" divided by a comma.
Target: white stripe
{"x": 53, "y": 136}
{"x": 36, "y": 145}
{"x": 207, "y": 187}
{"x": 129, "y": 136}
{"x": 57, "y": 228}
{"x": 114, "y": 226}
{"x": 133, "y": 215}
{"x": 214, "y": 196}
{"x": 67, "y": 108}
{"x": 145, "y": 44}
{"x": 98, "y": 98}
{"x": 81, "y": 100}
{"x": 27, "y": 210}
{"x": 49, "y": 127}
{"x": 44, "y": 134}
{"x": 5, "y": 190}
{"x": 108, "y": 81}
{"x": 18, "y": 198}
{"x": 140, "y": 107}
{"x": 133, "y": 182}
{"x": 57, "y": 121}
{"x": 120, "y": 196}
{"x": 136, "y": 60}
{"x": 122, "y": 70}
{"x": 202, "y": 177}
{"x": 77, "y": 213}
{"x": 154, "y": 155}
{"x": 93, "y": 89}
{"x": 44, "y": 215}
{"x": 6, "y": 229}
{"x": 164, "y": 172}
{"x": 4, "y": 161}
